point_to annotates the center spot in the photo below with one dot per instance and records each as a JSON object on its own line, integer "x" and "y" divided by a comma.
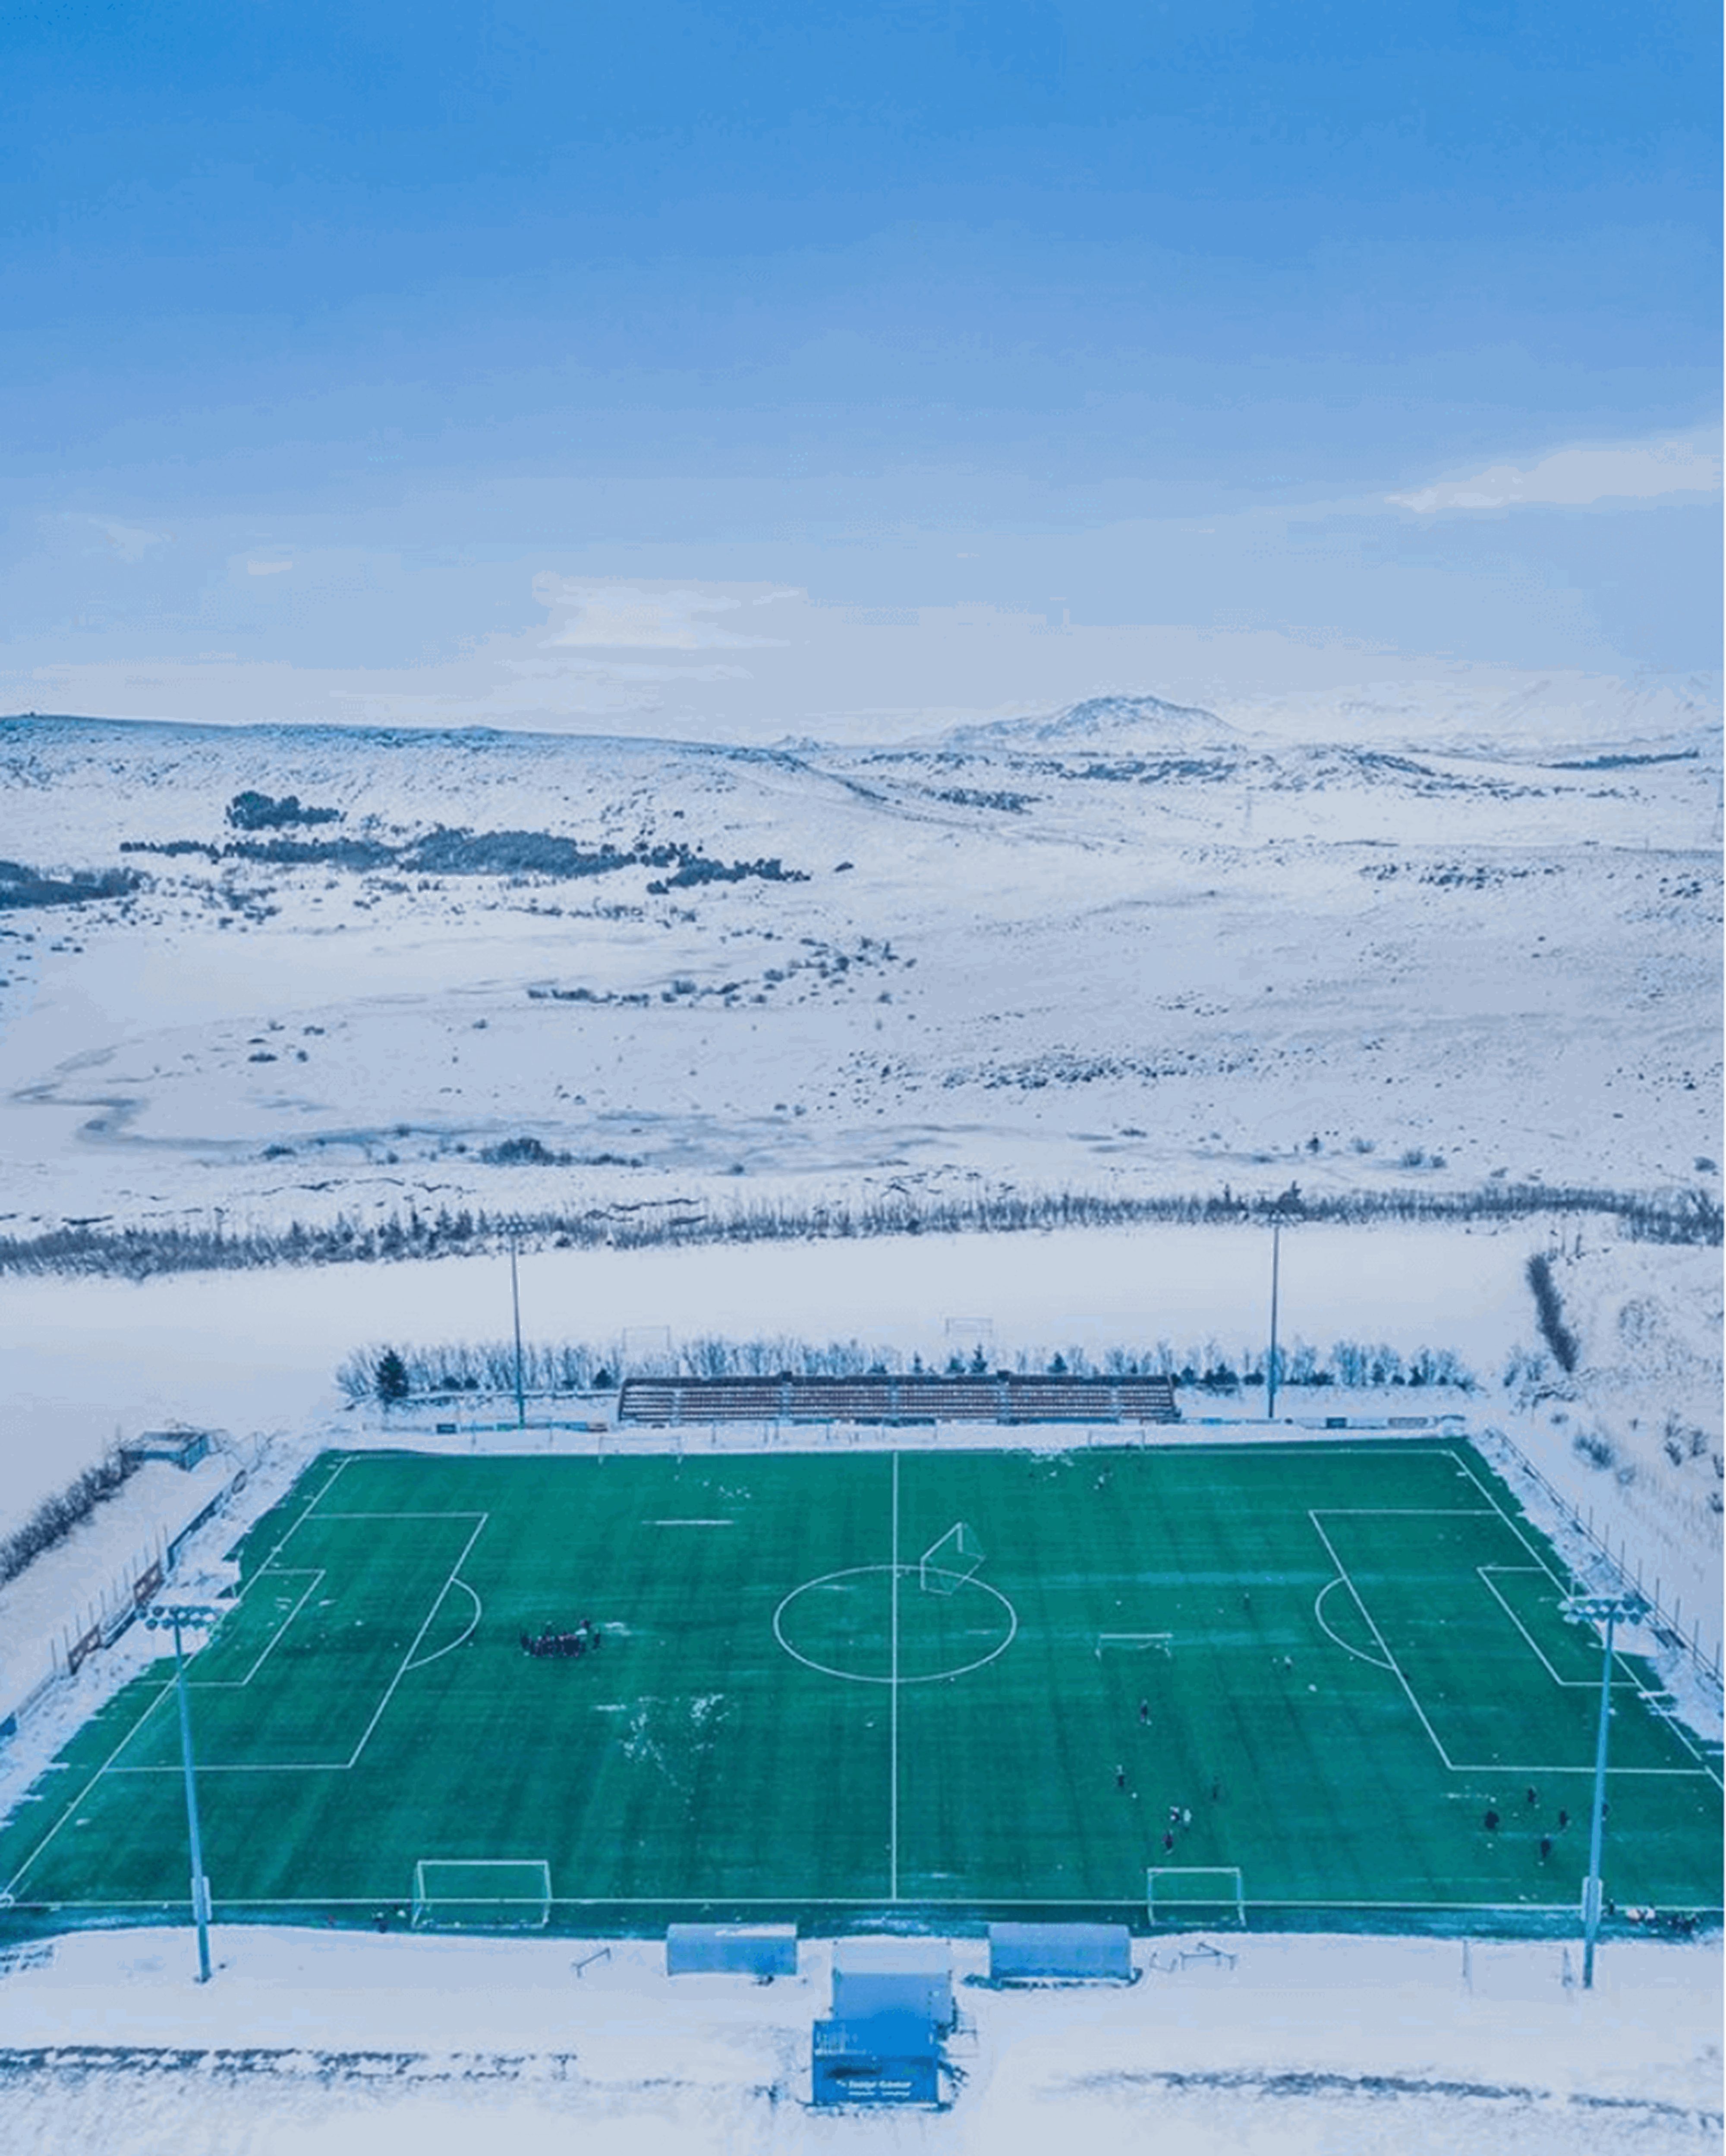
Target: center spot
{"x": 843, "y": 1625}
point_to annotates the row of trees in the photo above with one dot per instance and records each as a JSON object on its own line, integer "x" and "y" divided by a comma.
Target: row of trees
{"x": 55, "y": 1517}
{"x": 1693, "y": 1216}
{"x": 447, "y": 1370}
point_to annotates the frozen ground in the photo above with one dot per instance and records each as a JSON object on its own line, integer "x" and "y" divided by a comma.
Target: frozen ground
{"x": 1129, "y": 950}
{"x": 338, "y": 2045}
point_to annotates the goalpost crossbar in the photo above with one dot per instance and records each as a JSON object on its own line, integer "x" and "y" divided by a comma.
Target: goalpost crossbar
{"x": 1137, "y": 1642}
{"x": 482, "y": 1893}
{"x": 1219, "y": 1890}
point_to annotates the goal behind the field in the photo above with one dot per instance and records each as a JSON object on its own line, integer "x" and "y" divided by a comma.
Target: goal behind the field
{"x": 1194, "y": 1894}
{"x": 480, "y": 1893}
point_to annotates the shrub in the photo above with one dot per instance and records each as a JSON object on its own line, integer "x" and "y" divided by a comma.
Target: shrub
{"x": 1549, "y": 1310}
{"x": 21, "y": 886}
{"x": 55, "y": 1517}
{"x": 258, "y": 812}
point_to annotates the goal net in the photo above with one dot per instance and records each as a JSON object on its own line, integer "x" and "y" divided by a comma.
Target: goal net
{"x": 947, "y": 1563}
{"x": 1194, "y": 1894}
{"x": 481, "y": 1894}
{"x": 1134, "y": 1643}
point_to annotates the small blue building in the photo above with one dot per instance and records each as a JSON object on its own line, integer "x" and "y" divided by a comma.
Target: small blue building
{"x": 892, "y": 2004}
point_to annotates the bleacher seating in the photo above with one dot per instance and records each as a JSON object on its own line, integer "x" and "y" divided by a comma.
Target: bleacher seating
{"x": 1147, "y": 1400}
{"x": 652, "y": 1400}
{"x": 1058, "y": 1399}
{"x": 949, "y": 1399}
{"x": 658, "y": 1402}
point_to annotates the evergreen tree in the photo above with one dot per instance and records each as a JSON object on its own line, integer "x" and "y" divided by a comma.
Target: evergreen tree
{"x": 391, "y": 1379}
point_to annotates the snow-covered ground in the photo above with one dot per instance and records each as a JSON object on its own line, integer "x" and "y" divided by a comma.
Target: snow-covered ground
{"x": 255, "y": 1353}
{"x": 1374, "y": 948}
{"x": 328, "y": 2045}
{"x": 1113, "y": 954}
{"x": 247, "y": 1350}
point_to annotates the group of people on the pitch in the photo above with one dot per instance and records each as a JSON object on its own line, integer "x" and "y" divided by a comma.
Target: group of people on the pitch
{"x": 585, "y": 1640}
{"x": 1491, "y": 1820}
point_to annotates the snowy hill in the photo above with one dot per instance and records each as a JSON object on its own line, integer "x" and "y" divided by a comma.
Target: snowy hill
{"x": 1136, "y": 724}
{"x": 1129, "y": 950}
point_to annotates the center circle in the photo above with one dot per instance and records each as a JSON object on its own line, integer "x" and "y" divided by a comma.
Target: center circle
{"x": 846, "y": 1624}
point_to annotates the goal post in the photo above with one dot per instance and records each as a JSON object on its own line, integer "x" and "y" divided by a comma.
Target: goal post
{"x": 1134, "y": 1643}
{"x": 481, "y": 1893}
{"x": 950, "y": 1560}
{"x": 1194, "y": 1894}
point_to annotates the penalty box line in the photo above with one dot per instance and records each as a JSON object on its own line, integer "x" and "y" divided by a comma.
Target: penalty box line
{"x": 8, "y": 1892}
{"x": 1704, "y": 1765}
{"x": 452, "y": 1578}
{"x": 1467, "y": 1766}
{"x": 1626, "y": 1682}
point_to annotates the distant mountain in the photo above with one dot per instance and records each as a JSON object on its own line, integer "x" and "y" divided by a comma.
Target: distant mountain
{"x": 1138, "y": 723}
{"x": 1483, "y": 713}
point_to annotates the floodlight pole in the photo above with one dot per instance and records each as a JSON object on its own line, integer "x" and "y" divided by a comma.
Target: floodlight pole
{"x": 515, "y": 1303}
{"x": 1271, "y": 1361}
{"x": 1610, "y": 1609}
{"x": 176, "y": 1614}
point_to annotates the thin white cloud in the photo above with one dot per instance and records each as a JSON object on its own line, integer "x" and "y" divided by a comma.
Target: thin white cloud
{"x": 130, "y": 541}
{"x": 1577, "y": 477}
{"x": 267, "y": 568}
{"x": 619, "y": 618}
{"x": 629, "y": 669}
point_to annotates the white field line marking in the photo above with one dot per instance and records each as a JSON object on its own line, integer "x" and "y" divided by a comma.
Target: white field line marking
{"x": 238, "y": 1684}
{"x": 78, "y": 1804}
{"x": 247, "y": 1767}
{"x": 1372, "y": 1661}
{"x": 1467, "y": 1766}
{"x": 332, "y": 1766}
{"x": 1684, "y": 1736}
{"x": 461, "y": 1639}
{"x": 150, "y": 1708}
{"x": 1569, "y": 1684}
{"x": 1510, "y": 1767}
{"x": 481, "y": 1520}
{"x": 1538, "y": 1555}
{"x": 1372, "y": 1626}
{"x": 893, "y": 1710}
{"x": 311, "y": 1507}
{"x": 844, "y": 1901}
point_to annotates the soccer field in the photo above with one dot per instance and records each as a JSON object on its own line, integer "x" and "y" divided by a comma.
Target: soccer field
{"x": 1301, "y": 1674}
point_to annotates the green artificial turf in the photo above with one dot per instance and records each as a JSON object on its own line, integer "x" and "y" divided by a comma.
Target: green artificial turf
{"x": 1365, "y": 1652}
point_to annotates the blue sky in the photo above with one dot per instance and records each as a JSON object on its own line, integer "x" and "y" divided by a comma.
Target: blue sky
{"x": 746, "y": 371}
